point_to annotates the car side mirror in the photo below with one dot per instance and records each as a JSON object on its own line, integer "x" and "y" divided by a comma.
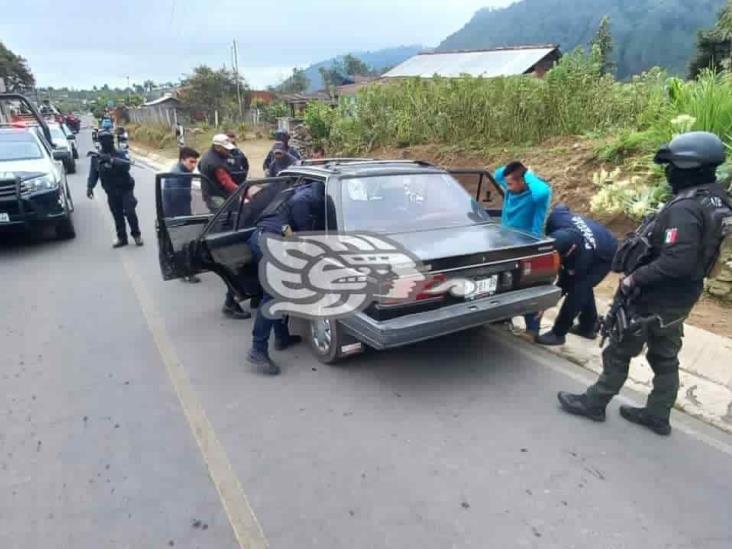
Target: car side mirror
{"x": 71, "y": 137}
{"x": 59, "y": 155}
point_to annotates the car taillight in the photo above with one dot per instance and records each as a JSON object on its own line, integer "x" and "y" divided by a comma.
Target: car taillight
{"x": 540, "y": 268}
{"x": 420, "y": 292}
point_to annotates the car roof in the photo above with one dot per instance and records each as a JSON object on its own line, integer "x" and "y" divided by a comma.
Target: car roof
{"x": 362, "y": 167}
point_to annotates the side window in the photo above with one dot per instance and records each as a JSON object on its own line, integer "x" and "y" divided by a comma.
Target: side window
{"x": 481, "y": 186}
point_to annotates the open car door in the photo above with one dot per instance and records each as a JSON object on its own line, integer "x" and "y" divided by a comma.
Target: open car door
{"x": 481, "y": 183}
{"x": 195, "y": 236}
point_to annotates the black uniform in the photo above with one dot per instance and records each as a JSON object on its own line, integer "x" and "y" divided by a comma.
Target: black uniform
{"x": 238, "y": 166}
{"x": 669, "y": 282}
{"x": 114, "y": 171}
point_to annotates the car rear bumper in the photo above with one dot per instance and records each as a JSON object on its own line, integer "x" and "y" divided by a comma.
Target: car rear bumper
{"x": 416, "y": 327}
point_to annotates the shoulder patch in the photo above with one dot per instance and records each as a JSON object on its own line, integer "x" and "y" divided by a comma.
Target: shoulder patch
{"x": 671, "y": 236}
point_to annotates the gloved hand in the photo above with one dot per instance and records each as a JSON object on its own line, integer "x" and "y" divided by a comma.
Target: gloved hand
{"x": 90, "y": 193}
{"x": 627, "y": 285}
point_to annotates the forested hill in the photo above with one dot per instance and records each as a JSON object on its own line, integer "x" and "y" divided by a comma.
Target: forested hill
{"x": 646, "y": 32}
{"x": 376, "y": 60}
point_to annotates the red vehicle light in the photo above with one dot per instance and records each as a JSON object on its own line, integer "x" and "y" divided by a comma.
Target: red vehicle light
{"x": 540, "y": 268}
{"x": 420, "y": 292}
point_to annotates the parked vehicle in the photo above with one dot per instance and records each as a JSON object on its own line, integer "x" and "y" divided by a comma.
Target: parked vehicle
{"x": 34, "y": 192}
{"x": 422, "y": 208}
{"x": 73, "y": 122}
{"x": 64, "y": 141}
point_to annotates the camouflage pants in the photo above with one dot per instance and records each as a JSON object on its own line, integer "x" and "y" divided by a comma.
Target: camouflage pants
{"x": 663, "y": 343}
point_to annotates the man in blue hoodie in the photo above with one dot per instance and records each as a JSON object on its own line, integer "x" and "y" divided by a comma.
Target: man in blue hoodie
{"x": 525, "y": 206}
{"x": 587, "y": 249}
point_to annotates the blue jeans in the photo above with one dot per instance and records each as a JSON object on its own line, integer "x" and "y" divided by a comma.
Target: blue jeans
{"x": 264, "y": 325}
{"x": 533, "y": 322}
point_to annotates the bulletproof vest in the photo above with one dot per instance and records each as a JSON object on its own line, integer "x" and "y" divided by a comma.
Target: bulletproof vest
{"x": 717, "y": 228}
{"x": 209, "y": 163}
{"x": 637, "y": 249}
{"x": 112, "y": 174}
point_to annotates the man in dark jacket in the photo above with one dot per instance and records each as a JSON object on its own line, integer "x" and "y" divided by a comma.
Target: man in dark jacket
{"x": 177, "y": 191}
{"x": 303, "y": 211}
{"x": 238, "y": 162}
{"x": 664, "y": 264}
{"x": 113, "y": 168}
{"x": 281, "y": 160}
{"x": 281, "y": 136}
{"x": 587, "y": 249}
{"x": 218, "y": 184}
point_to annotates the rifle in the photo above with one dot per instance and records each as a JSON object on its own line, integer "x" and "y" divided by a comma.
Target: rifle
{"x": 620, "y": 318}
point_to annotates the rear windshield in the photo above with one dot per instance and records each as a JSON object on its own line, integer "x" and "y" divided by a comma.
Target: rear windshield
{"x": 409, "y": 202}
{"x": 18, "y": 146}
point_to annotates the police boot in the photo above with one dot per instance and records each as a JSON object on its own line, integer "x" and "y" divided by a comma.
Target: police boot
{"x": 118, "y": 243}
{"x": 579, "y": 405}
{"x": 579, "y": 331}
{"x": 138, "y": 241}
{"x": 641, "y": 416}
{"x": 233, "y": 310}
{"x": 263, "y": 363}
{"x": 550, "y": 339}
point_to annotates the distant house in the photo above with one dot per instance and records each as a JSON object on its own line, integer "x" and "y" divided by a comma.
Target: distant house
{"x": 297, "y": 102}
{"x": 163, "y": 110}
{"x": 490, "y": 63}
{"x": 262, "y": 97}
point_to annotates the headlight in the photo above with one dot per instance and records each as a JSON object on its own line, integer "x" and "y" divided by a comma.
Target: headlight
{"x": 43, "y": 183}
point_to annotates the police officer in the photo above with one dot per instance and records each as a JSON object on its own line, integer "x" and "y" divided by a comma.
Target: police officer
{"x": 281, "y": 136}
{"x": 112, "y": 166}
{"x": 664, "y": 264}
{"x": 587, "y": 249}
{"x": 304, "y": 211}
{"x": 238, "y": 162}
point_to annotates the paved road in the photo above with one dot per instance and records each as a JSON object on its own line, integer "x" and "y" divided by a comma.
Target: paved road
{"x": 131, "y": 420}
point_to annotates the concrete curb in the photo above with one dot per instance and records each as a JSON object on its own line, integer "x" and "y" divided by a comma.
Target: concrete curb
{"x": 155, "y": 161}
{"x": 705, "y": 376}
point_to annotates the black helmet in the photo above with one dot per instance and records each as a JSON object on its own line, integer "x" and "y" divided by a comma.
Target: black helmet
{"x": 692, "y": 150}
{"x": 106, "y": 140}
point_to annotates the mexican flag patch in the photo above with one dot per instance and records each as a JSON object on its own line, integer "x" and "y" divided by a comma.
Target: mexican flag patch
{"x": 671, "y": 236}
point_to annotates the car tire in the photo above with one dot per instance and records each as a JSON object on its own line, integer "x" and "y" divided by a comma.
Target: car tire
{"x": 325, "y": 338}
{"x": 65, "y": 229}
{"x": 71, "y": 166}
{"x": 76, "y": 154}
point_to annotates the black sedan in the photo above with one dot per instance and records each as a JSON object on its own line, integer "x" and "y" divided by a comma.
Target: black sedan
{"x": 467, "y": 269}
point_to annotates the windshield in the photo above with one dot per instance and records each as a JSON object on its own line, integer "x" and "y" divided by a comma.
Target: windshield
{"x": 57, "y": 134}
{"x": 19, "y": 146}
{"x": 408, "y": 202}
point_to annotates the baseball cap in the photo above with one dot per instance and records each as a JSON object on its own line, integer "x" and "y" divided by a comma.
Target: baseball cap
{"x": 222, "y": 140}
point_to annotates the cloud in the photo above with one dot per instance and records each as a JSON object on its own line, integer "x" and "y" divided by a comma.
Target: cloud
{"x": 85, "y": 43}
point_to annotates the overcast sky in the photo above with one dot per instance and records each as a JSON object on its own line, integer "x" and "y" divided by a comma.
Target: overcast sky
{"x": 79, "y": 44}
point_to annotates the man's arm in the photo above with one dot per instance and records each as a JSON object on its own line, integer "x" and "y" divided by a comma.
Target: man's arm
{"x": 680, "y": 251}
{"x": 91, "y": 181}
{"x": 224, "y": 179}
{"x": 267, "y": 162}
{"x": 542, "y": 196}
{"x": 500, "y": 178}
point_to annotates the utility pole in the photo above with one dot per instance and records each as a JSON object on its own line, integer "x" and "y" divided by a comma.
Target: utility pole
{"x": 235, "y": 64}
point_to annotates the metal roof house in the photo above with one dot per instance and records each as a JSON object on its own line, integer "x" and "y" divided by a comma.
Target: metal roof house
{"x": 490, "y": 63}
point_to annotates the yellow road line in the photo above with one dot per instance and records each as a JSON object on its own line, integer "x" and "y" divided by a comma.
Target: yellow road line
{"x": 248, "y": 531}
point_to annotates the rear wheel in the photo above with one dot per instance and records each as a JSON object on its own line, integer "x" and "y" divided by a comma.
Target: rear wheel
{"x": 325, "y": 340}
{"x": 71, "y": 166}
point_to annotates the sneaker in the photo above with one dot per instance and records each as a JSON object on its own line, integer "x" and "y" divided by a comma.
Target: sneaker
{"x": 138, "y": 240}
{"x": 578, "y": 405}
{"x": 641, "y": 416}
{"x": 234, "y": 310}
{"x": 193, "y": 279}
{"x": 263, "y": 363}
{"x": 578, "y": 331}
{"x": 119, "y": 243}
{"x": 282, "y": 345}
{"x": 551, "y": 339}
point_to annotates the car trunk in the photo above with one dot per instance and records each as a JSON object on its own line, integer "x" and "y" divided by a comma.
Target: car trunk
{"x": 491, "y": 258}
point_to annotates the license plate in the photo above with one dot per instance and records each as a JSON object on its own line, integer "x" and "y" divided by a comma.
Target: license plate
{"x": 4, "y": 217}
{"x": 485, "y": 286}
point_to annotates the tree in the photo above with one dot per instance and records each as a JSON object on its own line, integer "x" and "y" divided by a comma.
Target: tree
{"x": 714, "y": 46}
{"x": 603, "y": 41}
{"x": 14, "y": 70}
{"x": 207, "y": 91}
{"x": 353, "y": 66}
{"x": 297, "y": 82}
{"x": 149, "y": 86}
